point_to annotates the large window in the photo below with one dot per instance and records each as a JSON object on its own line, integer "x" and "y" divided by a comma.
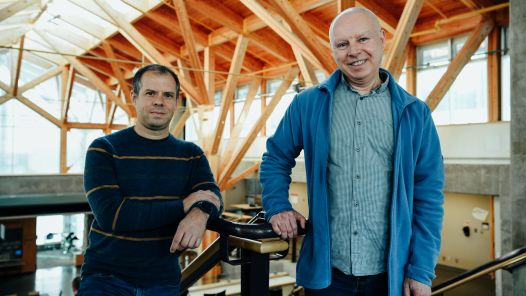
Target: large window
{"x": 466, "y": 100}
{"x": 505, "y": 76}
{"x": 29, "y": 144}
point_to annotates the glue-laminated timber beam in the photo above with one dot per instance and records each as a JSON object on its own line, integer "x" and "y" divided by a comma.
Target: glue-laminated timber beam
{"x": 305, "y": 68}
{"x": 66, "y": 95}
{"x": 189, "y": 40}
{"x": 5, "y": 98}
{"x": 51, "y": 73}
{"x": 285, "y": 33}
{"x": 233, "y": 25}
{"x": 410, "y": 73}
{"x": 249, "y": 140}
{"x": 87, "y": 125}
{"x": 458, "y": 63}
{"x": 403, "y": 31}
{"x": 63, "y": 150}
{"x": 38, "y": 110}
{"x": 249, "y": 171}
{"x": 227, "y": 95}
{"x": 342, "y": 5}
{"x": 15, "y": 7}
{"x": 300, "y": 27}
{"x": 18, "y": 66}
{"x": 6, "y": 87}
{"x": 238, "y": 127}
{"x": 117, "y": 73}
{"x": 494, "y": 76}
{"x": 209, "y": 75}
{"x": 90, "y": 75}
{"x": 178, "y": 128}
{"x": 146, "y": 48}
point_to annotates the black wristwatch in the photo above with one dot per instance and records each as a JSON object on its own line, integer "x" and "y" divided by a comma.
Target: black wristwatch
{"x": 205, "y": 206}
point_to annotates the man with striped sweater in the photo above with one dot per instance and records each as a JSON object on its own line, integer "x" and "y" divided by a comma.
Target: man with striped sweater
{"x": 151, "y": 195}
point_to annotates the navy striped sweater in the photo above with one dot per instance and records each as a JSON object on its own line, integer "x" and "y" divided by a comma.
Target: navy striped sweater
{"x": 135, "y": 188}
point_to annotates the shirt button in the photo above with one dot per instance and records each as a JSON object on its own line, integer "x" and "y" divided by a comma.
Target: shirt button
{"x": 361, "y": 98}
{"x": 357, "y": 149}
{"x": 359, "y": 123}
{"x": 355, "y": 233}
{"x": 356, "y": 204}
{"x": 358, "y": 177}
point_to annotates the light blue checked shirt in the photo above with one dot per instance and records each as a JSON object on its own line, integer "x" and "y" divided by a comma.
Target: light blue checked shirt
{"x": 360, "y": 178}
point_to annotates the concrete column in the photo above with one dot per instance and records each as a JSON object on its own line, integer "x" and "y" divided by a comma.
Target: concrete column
{"x": 518, "y": 136}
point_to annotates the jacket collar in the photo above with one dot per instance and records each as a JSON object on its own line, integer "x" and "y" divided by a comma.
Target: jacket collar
{"x": 399, "y": 97}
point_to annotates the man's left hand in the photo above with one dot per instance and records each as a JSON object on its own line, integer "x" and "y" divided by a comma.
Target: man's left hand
{"x": 414, "y": 288}
{"x": 190, "y": 231}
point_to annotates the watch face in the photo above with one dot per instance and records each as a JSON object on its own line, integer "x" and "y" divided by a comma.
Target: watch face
{"x": 205, "y": 206}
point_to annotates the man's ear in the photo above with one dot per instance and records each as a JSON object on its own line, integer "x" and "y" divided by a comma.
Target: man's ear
{"x": 133, "y": 96}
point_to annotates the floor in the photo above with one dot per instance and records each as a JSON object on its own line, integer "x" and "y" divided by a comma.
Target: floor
{"x": 53, "y": 277}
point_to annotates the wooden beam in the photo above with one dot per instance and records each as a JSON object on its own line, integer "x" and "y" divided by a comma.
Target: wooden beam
{"x": 6, "y": 87}
{"x": 38, "y": 110}
{"x": 18, "y": 65}
{"x": 230, "y": 183}
{"x": 403, "y": 31}
{"x": 63, "y": 150}
{"x": 458, "y": 63}
{"x": 15, "y": 7}
{"x": 233, "y": 25}
{"x": 436, "y": 9}
{"x": 181, "y": 122}
{"x": 382, "y": 10}
{"x": 228, "y": 91}
{"x": 102, "y": 126}
{"x": 66, "y": 95}
{"x": 309, "y": 77}
{"x": 241, "y": 151}
{"x": 5, "y": 98}
{"x": 146, "y": 48}
{"x": 410, "y": 73}
{"x": 92, "y": 77}
{"x": 238, "y": 127}
{"x": 118, "y": 73}
{"x": 494, "y": 76}
{"x": 398, "y": 65}
{"x": 300, "y": 27}
{"x": 189, "y": 40}
{"x": 285, "y": 33}
{"x": 51, "y": 73}
{"x": 342, "y": 5}
{"x": 209, "y": 75}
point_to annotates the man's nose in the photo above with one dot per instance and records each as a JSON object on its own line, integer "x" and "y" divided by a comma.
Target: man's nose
{"x": 158, "y": 100}
{"x": 353, "y": 49}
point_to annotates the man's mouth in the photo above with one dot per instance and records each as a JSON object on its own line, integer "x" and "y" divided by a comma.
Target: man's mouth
{"x": 357, "y": 63}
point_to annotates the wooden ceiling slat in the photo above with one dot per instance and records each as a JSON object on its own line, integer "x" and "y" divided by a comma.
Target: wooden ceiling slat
{"x": 15, "y": 7}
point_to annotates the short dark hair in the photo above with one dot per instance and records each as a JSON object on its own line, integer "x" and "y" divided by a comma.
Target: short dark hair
{"x": 154, "y": 68}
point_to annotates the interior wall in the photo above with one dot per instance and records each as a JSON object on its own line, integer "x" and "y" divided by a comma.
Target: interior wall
{"x": 467, "y": 230}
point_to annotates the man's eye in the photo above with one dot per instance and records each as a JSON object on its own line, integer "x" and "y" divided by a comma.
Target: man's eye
{"x": 363, "y": 39}
{"x": 341, "y": 45}
{"x": 149, "y": 93}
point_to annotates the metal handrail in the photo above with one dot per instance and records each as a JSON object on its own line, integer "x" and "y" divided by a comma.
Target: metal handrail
{"x": 255, "y": 229}
{"x": 507, "y": 262}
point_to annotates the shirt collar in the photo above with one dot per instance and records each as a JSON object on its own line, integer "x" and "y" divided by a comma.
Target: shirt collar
{"x": 384, "y": 77}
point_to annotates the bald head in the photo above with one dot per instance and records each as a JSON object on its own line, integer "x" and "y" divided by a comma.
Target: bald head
{"x": 352, "y": 10}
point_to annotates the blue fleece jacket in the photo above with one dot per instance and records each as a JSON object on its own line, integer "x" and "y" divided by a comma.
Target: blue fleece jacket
{"x": 418, "y": 177}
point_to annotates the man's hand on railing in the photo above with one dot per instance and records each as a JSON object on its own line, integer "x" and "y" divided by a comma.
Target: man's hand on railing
{"x": 414, "y": 288}
{"x": 285, "y": 224}
{"x": 190, "y": 231}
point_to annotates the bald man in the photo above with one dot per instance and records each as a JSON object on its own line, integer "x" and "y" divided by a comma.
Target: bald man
{"x": 374, "y": 174}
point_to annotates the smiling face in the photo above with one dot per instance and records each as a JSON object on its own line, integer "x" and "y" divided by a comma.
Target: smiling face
{"x": 155, "y": 104}
{"x": 358, "y": 45}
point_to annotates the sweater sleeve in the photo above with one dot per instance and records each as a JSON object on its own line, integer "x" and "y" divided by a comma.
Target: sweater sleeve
{"x": 427, "y": 206}
{"x": 107, "y": 202}
{"x": 279, "y": 159}
{"x": 201, "y": 178}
